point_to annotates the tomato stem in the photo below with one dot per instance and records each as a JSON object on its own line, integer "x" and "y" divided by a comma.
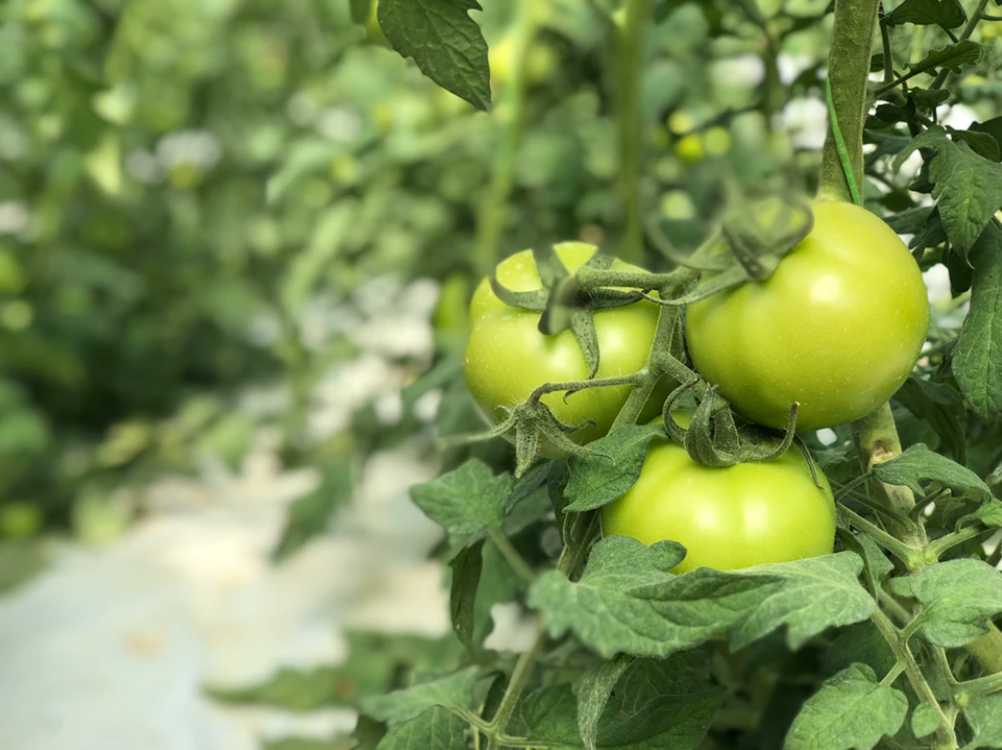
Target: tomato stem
{"x": 630, "y": 58}
{"x": 899, "y": 645}
{"x": 852, "y": 43}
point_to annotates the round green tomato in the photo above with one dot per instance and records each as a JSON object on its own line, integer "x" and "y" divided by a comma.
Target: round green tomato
{"x": 736, "y": 517}
{"x": 507, "y": 357}
{"x": 837, "y": 327}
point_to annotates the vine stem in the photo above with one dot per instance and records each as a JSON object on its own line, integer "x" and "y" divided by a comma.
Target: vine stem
{"x": 491, "y": 215}
{"x": 630, "y": 58}
{"x": 852, "y": 43}
{"x": 876, "y": 434}
{"x": 513, "y": 558}
{"x": 899, "y": 645}
{"x": 519, "y": 679}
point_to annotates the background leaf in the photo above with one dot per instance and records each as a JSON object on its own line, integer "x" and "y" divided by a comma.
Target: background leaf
{"x": 851, "y": 710}
{"x": 444, "y": 41}
{"x": 977, "y": 361}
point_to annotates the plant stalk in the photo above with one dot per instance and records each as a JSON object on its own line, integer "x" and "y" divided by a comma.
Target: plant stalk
{"x": 852, "y": 43}
{"x": 630, "y": 60}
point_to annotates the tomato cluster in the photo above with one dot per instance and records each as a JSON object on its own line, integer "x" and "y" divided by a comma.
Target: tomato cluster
{"x": 836, "y": 328}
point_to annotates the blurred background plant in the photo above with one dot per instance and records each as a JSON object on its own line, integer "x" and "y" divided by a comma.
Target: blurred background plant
{"x": 193, "y": 195}
{"x": 234, "y": 223}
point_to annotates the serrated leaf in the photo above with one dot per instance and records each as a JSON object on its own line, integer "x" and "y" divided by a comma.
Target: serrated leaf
{"x": 861, "y": 643}
{"x": 953, "y": 57}
{"x": 444, "y": 41}
{"x": 991, "y": 127}
{"x": 936, "y": 405}
{"x": 982, "y": 144}
{"x": 815, "y": 594}
{"x": 466, "y": 569}
{"x": 990, "y": 514}
{"x": 658, "y": 705}
{"x": 967, "y": 187}
{"x": 435, "y": 729}
{"x": 455, "y": 689}
{"x": 911, "y": 221}
{"x": 594, "y": 691}
{"x": 925, "y": 720}
{"x": 627, "y": 602}
{"x": 876, "y": 566}
{"x": 851, "y": 710}
{"x": 467, "y": 502}
{"x": 958, "y": 597}
{"x": 985, "y": 719}
{"x": 947, "y": 14}
{"x": 918, "y": 464}
{"x": 977, "y": 360}
{"x": 595, "y": 480}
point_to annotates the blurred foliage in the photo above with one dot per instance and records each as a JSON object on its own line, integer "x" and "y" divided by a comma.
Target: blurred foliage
{"x": 191, "y": 189}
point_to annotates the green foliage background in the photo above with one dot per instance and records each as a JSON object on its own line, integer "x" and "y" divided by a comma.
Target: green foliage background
{"x": 180, "y": 178}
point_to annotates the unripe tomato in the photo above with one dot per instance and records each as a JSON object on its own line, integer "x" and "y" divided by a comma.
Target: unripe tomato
{"x": 837, "y": 327}
{"x": 507, "y": 357}
{"x": 726, "y": 518}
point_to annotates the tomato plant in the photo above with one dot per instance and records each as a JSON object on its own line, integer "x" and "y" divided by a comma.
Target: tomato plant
{"x": 837, "y": 327}
{"x": 727, "y": 518}
{"x": 507, "y": 357}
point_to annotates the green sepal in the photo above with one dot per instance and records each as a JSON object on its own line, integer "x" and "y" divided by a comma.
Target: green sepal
{"x": 714, "y": 438}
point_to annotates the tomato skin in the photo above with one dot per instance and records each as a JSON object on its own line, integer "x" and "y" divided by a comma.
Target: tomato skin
{"x": 507, "y": 357}
{"x": 838, "y": 327}
{"x": 726, "y": 518}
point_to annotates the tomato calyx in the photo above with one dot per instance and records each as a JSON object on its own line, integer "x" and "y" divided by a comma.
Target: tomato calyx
{"x": 564, "y": 303}
{"x": 754, "y": 236}
{"x": 714, "y": 438}
{"x": 533, "y": 424}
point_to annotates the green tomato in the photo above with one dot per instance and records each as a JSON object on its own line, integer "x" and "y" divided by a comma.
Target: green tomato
{"x": 837, "y": 327}
{"x": 507, "y": 357}
{"x": 736, "y": 517}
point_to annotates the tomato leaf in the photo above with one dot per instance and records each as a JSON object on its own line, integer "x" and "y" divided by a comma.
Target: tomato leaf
{"x": 983, "y": 144}
{"x": 595, "y": 480}
{"x": 977, "y": 360}
{"x": 435, "y": 729}
{"x": 953, "y": 57}
{"x": 990, "y": 514}
{"x": 815, "y": 594}
{"x": 444, "y": 41}
{"x": 925, "y": 720}
{"x": 958, "y": 597}
{"x": 919, "y": 464}
{"x": 947, "y": 14}
{"x": 985, "y": 719}
{"x": 666, "y": 704}
{"x": 860, "y": 643}
{"x": 992, "y": 127}
{"x": 627, "y": 602}
{"x": 467, "y": 502}
{"x": 937, "y": 406}
{"x": 466, "y": 569}
{"x": 967, "y": 187}
{"x": 851, "y": 710}
{"x": 594, "y": 691}
{"x": 455, "y": 689}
